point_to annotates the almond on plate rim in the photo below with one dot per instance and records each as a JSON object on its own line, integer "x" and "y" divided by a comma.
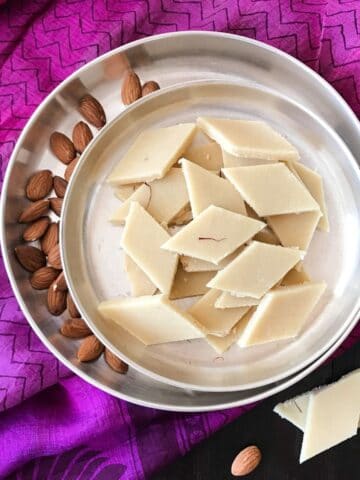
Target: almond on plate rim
{"x": 62, "y": 147}
{"x": 75, "y": 328}
{"x": 56, "y": 301}
{"x": 81, "y": 136}
{"x": 42, "y": 278}
{"x": 50, "y": 238}
{"x": 131, "y": 87}
{"x": 90, "y": 349}
{"x": 34, "y": 211}
{"x": 92, "y": 110}
{"x": 39, "y": 185}
{"x": 36, "y": 230}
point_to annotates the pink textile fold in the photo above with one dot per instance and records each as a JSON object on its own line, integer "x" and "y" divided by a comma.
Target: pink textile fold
{"x": 52, "y": 424}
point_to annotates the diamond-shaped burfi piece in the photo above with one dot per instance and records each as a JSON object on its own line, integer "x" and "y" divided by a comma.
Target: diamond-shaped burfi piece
{"x": 258, "y": 268}
{"x": 271, "y": 189}
{"x": 213, "y": 234}
{"x": 206, "y": 188}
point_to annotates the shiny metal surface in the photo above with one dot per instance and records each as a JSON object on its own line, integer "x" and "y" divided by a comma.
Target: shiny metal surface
{"x": 93, "y": 259}
{"x": 175, "y": 59}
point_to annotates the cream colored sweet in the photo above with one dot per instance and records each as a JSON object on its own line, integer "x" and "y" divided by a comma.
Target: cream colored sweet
{"x": 314, "y": 183}
{"x": 140, "y": 283}
{"x": 155, "y": 198}
{"x": 208, "y": 156}
{"x": 206, "y": 188}
{"x": 151, "y": 319}
{"x": 213, "y": 235}
{"x": 295, "y": 410}
{"x": 191, "y": 264}
{"x": 332, "y": 415}
{"x": 152, "y": 154}
{"x": 266, "y": 235}
{"x": 258, "y": 268}
{"x": 190, "y": 284}
{"x": 222, "y": 344}
{"x": 230, "y": 161}
{"x": 282, "y": 313}
{"x": 248, "y": 138}
{"x": 295, "y": 276}
{"x": 142, "y": 239}
{"x": 183, "y": 217}
{"x": 226, "y": 300}
{"x": 295, "y": 229}
{"x": 271, "y": 189}
{"x": 216, "y": 322}
{"x": 123, "y": 192}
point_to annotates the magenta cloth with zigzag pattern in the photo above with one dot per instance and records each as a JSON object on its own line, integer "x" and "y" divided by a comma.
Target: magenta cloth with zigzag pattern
{"x": 53, "y": 425}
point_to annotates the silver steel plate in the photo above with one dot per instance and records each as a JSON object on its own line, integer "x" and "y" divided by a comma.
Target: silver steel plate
{"x": 172, "y": 60}
{"x": 93, "y": 258}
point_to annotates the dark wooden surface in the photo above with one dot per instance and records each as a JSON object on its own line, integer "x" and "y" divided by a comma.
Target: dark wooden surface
{"x": 279, "y": 441}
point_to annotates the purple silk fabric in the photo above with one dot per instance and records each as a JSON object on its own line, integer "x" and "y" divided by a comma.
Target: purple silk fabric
{"x": 53, "y": 425}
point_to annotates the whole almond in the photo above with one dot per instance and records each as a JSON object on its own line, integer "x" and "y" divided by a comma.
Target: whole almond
{"x": 246, "y": 461}
{"x": 54, "y": 257}
{"x": 150, "y": 87}
{"x": 56, "y": 301}
{"x": 71, "y": 307}
{"x": 43, "y": 278}
{"x": 56, "y": 205}
{"x": 75, "y": 328}
{"x": 60, "y": 185}
{"x": 36, "y": 230}
{"x": 34, "y": 211}
{"x": 62, "y": 147}
{"x": 115, "y": 362}
{"x": 31, "y": 258}
{"x": 70, "y": 168}
{"x": 51, "y": 238}
{"x": 39, "y": 185}
{"x": 81, "y": 136}
{"x": 60, "y": 282}
{"x": 92, "y": 111}
{"x": 90, "y": 349}
{"x": 131, "y": 87}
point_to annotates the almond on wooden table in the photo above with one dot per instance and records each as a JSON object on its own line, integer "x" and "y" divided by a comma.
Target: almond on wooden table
{"x": 91, "y": 109}
{"x": 62, "y": 147}
{"x": 115, "y": 362}
{"x": 43, "y": 278}
{"x": 71, "y": 307}
{"x": 34, "y": 211}
{"x": 39, "y": 185}
{"x": 51, "y": 238}
{"x": 149, "y": 87}
{"x": 90, "y": 349}
{"x": 70, "y": 168}
{"x": 60, "y": 185}
{"x": 36, "y": 230}
{"x": 246, "y": 461}
{"x": 56, "y": 205}
{"x": 75, "y": 328}
{"x": 31, "y": 258}
{"x": 54, "y": 257}
{"x": 81, "y": 136}
{"x": 131, "y": 87}
{"x": 56, "y": 301}
{"x": 60, "y": 282}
